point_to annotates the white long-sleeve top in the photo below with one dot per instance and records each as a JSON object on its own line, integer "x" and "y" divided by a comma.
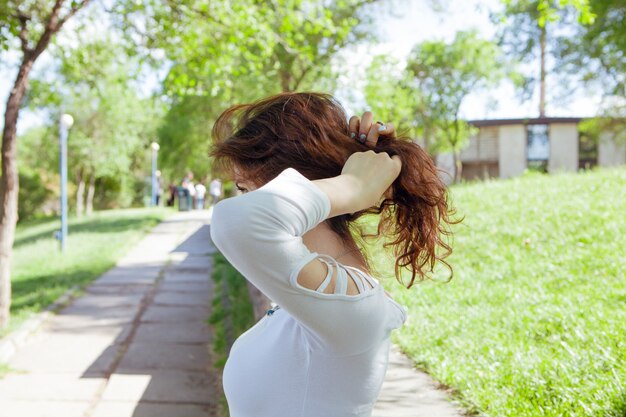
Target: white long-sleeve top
{"x": 319, "y": 355}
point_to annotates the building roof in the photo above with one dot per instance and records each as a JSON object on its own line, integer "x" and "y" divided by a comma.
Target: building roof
{"x": 526, "y": 121}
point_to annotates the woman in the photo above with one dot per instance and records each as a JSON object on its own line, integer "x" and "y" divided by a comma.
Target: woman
{"x": 307, "y": 175}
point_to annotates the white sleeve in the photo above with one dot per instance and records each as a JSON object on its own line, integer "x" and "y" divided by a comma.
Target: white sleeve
{"x": 260, "y": 233}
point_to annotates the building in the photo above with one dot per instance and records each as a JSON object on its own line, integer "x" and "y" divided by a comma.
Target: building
{"x": 506, "y": 148}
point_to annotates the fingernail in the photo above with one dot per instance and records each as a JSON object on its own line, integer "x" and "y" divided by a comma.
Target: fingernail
{"x": 381, "y": 128}
{"x": 352, "y": 135}
{"x": 362, "y": 136}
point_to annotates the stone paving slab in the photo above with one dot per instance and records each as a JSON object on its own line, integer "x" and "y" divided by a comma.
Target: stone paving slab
{"x": 29, "y": 408}
{"x": 183, "y": 275}
{"x": 108, "y": 300}
{"x": 118, "y": 332}
{"x": 202, "y": 263}
{"x": 177, "y": 286}
{"x": 191, "y": 332}
{"x": 407, "y": 392}
{"x": 53, "y": 387}
{"x": 126, "y": 279}
{"x": 123, "y": 314}
{"x": 193, "y": 387}
{"x": 174, "y": 314}
{"x": 147, "y": 356}
{"x": 131, "y": 409}
{"x": 182, "y": 299}
{"x": 63, "y": 353}
{"x": 118, "y": 288}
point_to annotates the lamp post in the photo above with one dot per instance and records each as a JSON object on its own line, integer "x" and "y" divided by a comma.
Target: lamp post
{"x": 65, "y": 123}
{"x": 155, "y": 186}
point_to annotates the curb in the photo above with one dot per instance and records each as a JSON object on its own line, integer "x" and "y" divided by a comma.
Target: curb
{"x": 18, "y": 338}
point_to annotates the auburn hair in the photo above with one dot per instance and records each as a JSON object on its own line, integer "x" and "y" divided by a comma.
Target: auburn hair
{"x": 309, "y": 132}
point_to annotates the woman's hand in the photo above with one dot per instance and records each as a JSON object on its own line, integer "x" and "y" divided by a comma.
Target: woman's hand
{"x": 364, "y": 178}
{"x": 367, "y": 132}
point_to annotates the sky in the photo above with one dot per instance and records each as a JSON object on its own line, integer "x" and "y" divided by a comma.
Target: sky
{"x": 417, "y": 22}
{"x": 413, "y": 21}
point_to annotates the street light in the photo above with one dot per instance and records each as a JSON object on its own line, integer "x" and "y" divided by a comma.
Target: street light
{"x": 65, "y": 123}
{"x": 155, "y": 185}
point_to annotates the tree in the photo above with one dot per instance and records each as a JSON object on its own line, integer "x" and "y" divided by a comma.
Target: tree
{"x": 32, "y": 25}
{"x": 444, "y": 75}
{"x": 390, "y": 97}
{"x": 112, "y": 121}
{"x": 237, "y": 52}
{"x": 527, "y": 30}
{"x": 286, "y": 45}
{"x": 597, "y": 51}
{"x": 596, "y": 55}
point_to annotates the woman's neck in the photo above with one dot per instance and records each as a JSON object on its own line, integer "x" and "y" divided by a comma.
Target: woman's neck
{"x": 322, "y": 239}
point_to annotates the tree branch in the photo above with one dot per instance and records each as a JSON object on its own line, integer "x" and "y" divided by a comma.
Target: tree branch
{"x": 71, "y": 13}
{"x": 23, "y": 33}
{"x": 54, "y": 24}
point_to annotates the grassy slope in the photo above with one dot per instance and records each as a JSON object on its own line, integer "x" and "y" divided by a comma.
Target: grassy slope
{"x": 229, "y": 318}
{"x": 534, "y": 321}
{"x": 41, "y": 273}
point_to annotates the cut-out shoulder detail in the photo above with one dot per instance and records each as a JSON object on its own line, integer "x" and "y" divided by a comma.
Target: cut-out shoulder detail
{"x": 339, "y": 279}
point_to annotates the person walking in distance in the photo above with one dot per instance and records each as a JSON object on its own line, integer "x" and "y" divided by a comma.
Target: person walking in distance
{"x": 215, "y": 189}
{"x": 307, "y": 174}
{"x": 200, "y": 193}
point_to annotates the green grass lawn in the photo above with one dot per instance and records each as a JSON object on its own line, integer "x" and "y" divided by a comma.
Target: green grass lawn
{"x": 41, "y": 273}
{"x": 231, "y": 314}
{"x": 534, "y": 321}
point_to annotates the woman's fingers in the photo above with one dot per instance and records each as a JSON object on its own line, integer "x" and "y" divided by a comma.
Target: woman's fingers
{"x": 387, "y": 129}
{"x": 372, "y": 135}
{"x": 365, "y": 125}
{"x": 353, "y": 126}
{"x": 367, "y": 132}
{"x": 371, "y": 174}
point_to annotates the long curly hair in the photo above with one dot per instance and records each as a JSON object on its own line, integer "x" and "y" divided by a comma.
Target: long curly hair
{"x": 309, "y": 132}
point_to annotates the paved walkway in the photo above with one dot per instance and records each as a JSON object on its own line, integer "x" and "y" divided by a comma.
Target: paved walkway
{"x": 408, "y": 392}
{"x": 136, "y": 344}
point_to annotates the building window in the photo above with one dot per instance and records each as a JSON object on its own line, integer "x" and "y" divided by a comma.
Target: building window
{"x": 538, "y": 147}
{"x": 587, "y": 152}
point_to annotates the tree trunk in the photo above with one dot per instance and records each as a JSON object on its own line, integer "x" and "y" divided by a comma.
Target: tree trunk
{"x": 9, "y": 187}
{"x": 458, "y": 167}
{"x": 9, "y": 183}
{"x": 80, "y": 194}
{"x": 91, "y": 191}
{"x": 285, "y": 81}
{"x": 542, "y": 74}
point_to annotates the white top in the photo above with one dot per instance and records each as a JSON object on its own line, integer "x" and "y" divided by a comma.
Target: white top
{"x": 200, "y": 190}
{"x": 319, "y": 355}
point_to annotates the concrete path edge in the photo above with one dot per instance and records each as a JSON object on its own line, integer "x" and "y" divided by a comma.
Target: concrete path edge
{"x": 17, "y": 338}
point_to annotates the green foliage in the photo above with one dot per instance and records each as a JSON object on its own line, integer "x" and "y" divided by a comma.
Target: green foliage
{"x": 113, "y": 123}
{"x": 390, "y": 97}
{"x": 424, "y": 97}
{"x": 279, "y": 45}
{"x": 586, "y": 37}
{"x": 532, "y": 324}
{"x": 222, "y": 53}
{"x": 613, "y": 125}
{"x": 595, "y": 52}
{"x": 444, "y": 75}
{"x": 236, "y": 313}
{"x": 33, "y": 193}
{"x": 548, "y": 10}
